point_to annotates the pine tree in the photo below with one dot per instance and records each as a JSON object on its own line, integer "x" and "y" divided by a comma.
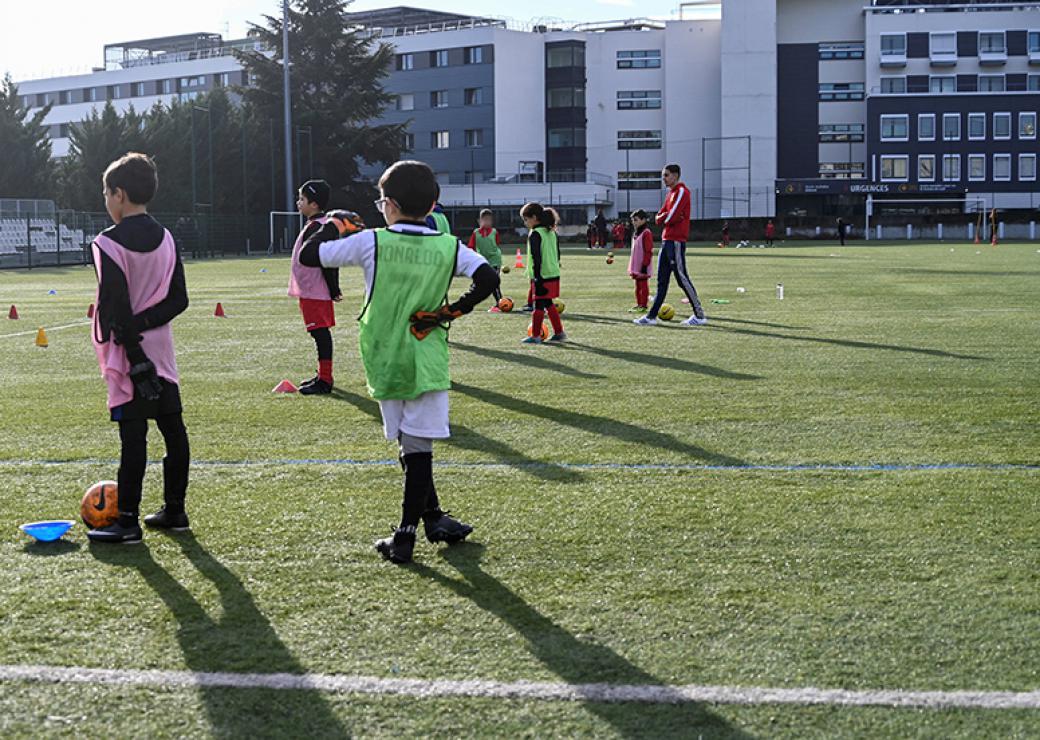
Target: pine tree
{"x": 28, "y": 171}
{"x": 337, "y": 91}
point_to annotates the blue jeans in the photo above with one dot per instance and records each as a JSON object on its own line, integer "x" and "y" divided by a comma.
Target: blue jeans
{"x": 673, "y": 259}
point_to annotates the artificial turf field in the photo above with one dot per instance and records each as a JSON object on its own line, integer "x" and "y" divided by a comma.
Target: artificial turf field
{"x": 838, "y": 490}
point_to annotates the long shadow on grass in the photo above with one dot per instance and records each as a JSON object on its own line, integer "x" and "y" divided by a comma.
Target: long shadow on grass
{"x": 575, "y": 661}
{"x": 527, "y": 359}
{"x": 595, "y": 319}
{"x": 466, "y": 439}
{"x": 666, "y": 363}
{"x": 602, "y": 425}
{"x": 853, "y": 343}
{"x": 965, "y": 273}
{"x": 241, "y": 640}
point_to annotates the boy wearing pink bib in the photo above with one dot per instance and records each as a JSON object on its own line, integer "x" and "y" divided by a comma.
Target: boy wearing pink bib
{"x": 140, "y": 291}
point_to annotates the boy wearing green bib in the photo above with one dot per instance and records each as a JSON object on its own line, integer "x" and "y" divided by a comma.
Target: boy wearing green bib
{"x": 403, "y": 335}
{"x": 543, "y": 270}
{"x": 484, "y": 241}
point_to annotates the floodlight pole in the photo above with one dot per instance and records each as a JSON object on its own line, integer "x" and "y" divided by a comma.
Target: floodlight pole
{"x": 290, "y": 201}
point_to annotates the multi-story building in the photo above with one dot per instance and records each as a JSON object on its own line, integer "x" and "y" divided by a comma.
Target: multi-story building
{"x": 786, "y": 107}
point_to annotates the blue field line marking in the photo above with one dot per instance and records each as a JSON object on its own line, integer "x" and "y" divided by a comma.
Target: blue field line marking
{"x": 662, "y": 467}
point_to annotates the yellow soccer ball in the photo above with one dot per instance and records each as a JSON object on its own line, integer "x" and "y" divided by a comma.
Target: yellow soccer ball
{"x": 560, "y": 305}
{"x": 667, "y": 312}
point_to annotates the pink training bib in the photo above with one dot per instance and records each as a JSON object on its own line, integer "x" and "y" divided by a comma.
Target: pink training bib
{"x": 307, "y": 282}
{"x": 148, "y": 276}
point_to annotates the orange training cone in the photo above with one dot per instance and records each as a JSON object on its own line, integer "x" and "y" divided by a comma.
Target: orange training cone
{"x": 41, "y": 338}
{"x": 13, "y": 313}
{"x": 90, "y": 311}
{"x": 220, "y": 311}
{"x": 284, "y": 387}
{"x": 519, "y": 260}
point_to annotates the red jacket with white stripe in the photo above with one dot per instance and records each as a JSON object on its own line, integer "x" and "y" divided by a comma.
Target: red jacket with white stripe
{"x": 675, "y": 214}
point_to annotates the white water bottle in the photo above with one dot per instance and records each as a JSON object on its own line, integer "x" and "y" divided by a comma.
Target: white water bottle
{"x": 779, "y": 291}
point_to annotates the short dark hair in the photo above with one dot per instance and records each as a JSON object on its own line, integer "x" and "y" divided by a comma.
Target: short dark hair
{"x": 639, "y": 213}
{"x": 486, "y": 212}
{"x": 674, "y": 169}
{"x": 544, "y": 216}
{"x": 412, "y": 185}
{"x": 317, "y": 192}
{"x": 135, "y": 173}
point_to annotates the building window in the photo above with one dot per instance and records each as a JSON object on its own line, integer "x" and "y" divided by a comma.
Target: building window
{"x": 894, "y": 167}
{"x": 951, "y": 167}
{"x": 439, "y": 140}
{"x": 190, "y": 82}
{"x": 474, "y": 55}
{"x": 992, "y": 42}
{"x": 841, "y": 50}
{"x": 640, "y": 180}
{"x": 893, "y": 85}
{"x": 639, "y": 139}
{"x": 951, "y": 126}
{"x": 926, "y": 127}
{"x": 1027, "y": 125}
{"x": 115, "y": 92}
{"x": 405, "y": 62}
{"x": 840, "y": 132}
{"x": 1002, "y": 126}
{"x": 841, "y": 91}
{"x": 138, "y": 90}
{"x": 63, "y": 130}
{"x": 92, "y": 94}
{"x": 439, "y": 58}
{"x": 64, "y": 97}
{"x": 942, "y": 47}
{"x": 944, "y": 84}
{"x": 842, "y": 170}
{"x": 1002, "y": 167}
{"x": 991, "y": 83}
{"x": 649, "y": 59}
{"x": 167, "y": 87}
{"x": 408, "y": 142}
{"x": 1033, "y": 42}
{"x": 406, "y": 101}
{"x": 1027, "y": 167}
{"x": 224, "y": 79}
{"x": 571, "y": 55}
{"x": 1033, "y": 83}
{"x": 638, "y": 99}
{"x": 439, "y": 99}
{"x": 474, "y": 137}
{"x": 976, "y": 167}
{"x": 474, "y": 96}
{"x": 976, "y": 126}
{"x": 566, "y": 137}
{"x": 895, "y": 127}
{"x": 893, "y": 47}
{"x": 566, "y": 97}
{"x": 926, "y": 168}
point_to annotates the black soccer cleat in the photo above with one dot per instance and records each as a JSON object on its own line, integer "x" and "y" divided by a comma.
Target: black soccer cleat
{"x": 318, "y": 388}
{"x": 447, "y": 529}
{"x": 398, "y": 547}
{"x": 116, "y": 534}
{"x": 309, "y": 381}
{"x": 165, "y": 519}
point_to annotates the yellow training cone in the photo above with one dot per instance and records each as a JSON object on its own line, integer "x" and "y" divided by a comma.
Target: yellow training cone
{"x": 41, "y": 338}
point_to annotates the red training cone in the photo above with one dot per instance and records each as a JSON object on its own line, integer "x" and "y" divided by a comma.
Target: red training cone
{"x": 284, "y": 387}
{"x": 519, "y": 260}
{"x": 90, "y": 311}
{"x": 220, "y": 311}
{"x": 13, "y": 313}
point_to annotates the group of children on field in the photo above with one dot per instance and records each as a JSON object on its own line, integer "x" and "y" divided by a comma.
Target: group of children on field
{"x": 403, "y": 327}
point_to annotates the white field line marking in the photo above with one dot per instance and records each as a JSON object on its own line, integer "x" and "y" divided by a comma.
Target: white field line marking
{"x": 590, "y": 692}
{"x": 46, "y": 328}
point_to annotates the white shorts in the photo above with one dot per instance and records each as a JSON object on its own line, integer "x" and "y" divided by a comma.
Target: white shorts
{"x": 425, "y": 416}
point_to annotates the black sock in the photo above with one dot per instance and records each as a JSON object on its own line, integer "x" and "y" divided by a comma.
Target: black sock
{"x": 127, "y": 519}
{"x": 418, "y": 478}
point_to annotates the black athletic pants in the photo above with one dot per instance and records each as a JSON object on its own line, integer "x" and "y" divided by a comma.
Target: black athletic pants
{"x": 133, "y": 434}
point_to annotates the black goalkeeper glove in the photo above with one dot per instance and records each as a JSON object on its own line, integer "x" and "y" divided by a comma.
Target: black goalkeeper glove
{"x": 423, "y": 322}
{"x": 143, "y": 375}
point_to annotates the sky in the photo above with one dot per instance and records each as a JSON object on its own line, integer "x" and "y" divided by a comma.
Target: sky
{"x": 33, "y": 45}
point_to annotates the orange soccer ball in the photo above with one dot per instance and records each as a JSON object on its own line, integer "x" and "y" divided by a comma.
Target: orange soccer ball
{"x": 100, "y": 505}
{"x": 545, "y": 331}
{"x": 506, "y": 304}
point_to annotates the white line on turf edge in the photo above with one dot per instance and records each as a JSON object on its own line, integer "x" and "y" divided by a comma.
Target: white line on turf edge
{"x": 591, "y": 692}
{"x": 46, "y": 328}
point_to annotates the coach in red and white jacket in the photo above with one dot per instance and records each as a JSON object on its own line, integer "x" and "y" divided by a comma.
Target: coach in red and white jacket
{"x": 674, "y": 216}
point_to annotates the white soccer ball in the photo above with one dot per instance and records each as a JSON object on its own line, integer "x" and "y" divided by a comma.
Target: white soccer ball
{"x": 741, "y": 290}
